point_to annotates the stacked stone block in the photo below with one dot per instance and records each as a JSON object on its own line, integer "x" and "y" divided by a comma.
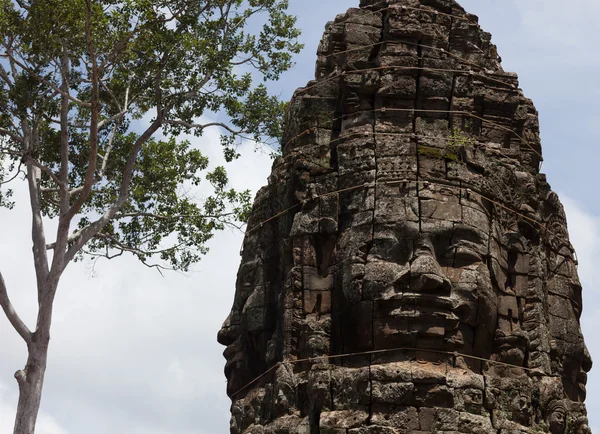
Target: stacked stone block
{"x": 407, "y": 269}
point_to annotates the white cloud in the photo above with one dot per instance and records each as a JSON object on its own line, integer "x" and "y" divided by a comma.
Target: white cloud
{"x": 46, "y": 424}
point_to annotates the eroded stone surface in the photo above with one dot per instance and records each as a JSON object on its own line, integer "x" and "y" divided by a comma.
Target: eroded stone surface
{"x": 424, "y": 280}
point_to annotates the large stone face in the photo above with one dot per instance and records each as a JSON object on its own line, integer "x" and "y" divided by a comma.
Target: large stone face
{"x": 407, "y": 269}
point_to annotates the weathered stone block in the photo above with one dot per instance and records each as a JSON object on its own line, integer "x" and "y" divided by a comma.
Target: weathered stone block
{"x": 424, "y": 281}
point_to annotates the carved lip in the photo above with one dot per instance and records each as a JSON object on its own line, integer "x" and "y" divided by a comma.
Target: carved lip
{"x": 414, "y": 301}
{"x": 229, "y": 368}
{"x": 232, "y": 355}
{"x": 422, "y": 308}
{"x": 510, "y": 342}
{"x": 424, "y": 300}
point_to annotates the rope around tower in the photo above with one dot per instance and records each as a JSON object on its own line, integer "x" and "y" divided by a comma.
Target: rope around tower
{"x": 404, "y": 180}
{"x": 385, "y": 110}
{"x": 455, "y": 354}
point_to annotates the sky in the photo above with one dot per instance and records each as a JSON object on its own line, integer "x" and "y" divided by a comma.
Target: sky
{"x": 133, "y": 352}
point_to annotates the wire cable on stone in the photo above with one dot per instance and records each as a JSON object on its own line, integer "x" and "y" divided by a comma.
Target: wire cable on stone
{"x": 378, "y": 352}
{"x": 294, "y": 152}
{"x": 334, "y": 76}
{"x": 404, "y": 180}
{"x": 404, "y": 8}
{"x": 384, "y": 110}
{"x": 416, "y": 44}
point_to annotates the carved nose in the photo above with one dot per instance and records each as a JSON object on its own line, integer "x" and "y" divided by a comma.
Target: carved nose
{"x": 427, "y": 276}
{"x": 228, "y": 333}
{"x": 429, "y": 282}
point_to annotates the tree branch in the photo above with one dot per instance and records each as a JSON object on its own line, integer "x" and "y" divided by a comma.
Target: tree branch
{"x": 12, "y": 315}
{"x": 244, "y": 61}
{"x": 92, "y": 229}
{"x": 112, "y": 95}
{"x": 40, "y": 257}
{"x": 108, "y": 256}
{"x": 118, "y": 48}
{"x": 14, "y": 136}
{"x": 4, "y": 76}
{"x": 43, "y": 80}
{"x": 46, "y": 170}
{"x": 64, "y": 133}
{"x": 116, "y": 117}
{"x": 95, "y": 111}
{"x": 123, "y": 109}
{"x": 202, "y": 126}
{"x": 74, "y": 236}
{"x": 171, "y": 217}
{"x": 14, "y": 176}
{"x": 107, "y": 153}
{"x": 189, "y": 94}
{"x": 238, "y": 133}
{"x": 124, "y": 248}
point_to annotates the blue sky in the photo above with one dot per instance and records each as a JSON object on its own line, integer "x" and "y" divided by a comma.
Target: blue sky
{"x": 136, "y": 353}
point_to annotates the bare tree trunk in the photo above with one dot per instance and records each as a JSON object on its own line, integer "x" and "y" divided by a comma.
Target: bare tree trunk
{"x": 31, "y": 381}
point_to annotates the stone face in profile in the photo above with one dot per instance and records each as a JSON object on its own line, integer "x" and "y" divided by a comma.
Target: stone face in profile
{"x": 408, "y": 268}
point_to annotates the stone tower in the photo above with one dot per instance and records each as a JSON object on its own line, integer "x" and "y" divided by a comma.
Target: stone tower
{"x": 407, "y": 269}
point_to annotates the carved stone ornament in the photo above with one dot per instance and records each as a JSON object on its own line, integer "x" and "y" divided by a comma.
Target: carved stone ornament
{"x": 407, "y": 269}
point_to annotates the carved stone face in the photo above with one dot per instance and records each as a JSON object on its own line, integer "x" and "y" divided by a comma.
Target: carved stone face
{"x": 234, "y": 354}
{"x": 246, "y": 353}
{"x": 429, "y": 280}
{"x": 568, "y": 348}
{"x": 557, "y": 420}
{"x": 584, "y": 429}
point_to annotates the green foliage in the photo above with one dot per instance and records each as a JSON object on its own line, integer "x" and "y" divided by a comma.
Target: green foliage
{"x": 5, "y": 196}
{"x": 430, "y": 151}
{"x": 460, "y": 139}
{"x": 163, "y": 203}
{"x": 160, "y": 66}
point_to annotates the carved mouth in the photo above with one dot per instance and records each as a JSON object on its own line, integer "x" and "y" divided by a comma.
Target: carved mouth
{"x": 510, "y": 344}
{"x": 232, "y": 356}
{"x": 228, "y": 369}
{"x": 420, "y": 305}
{"x": 427, "y": 316}
{"x": 428, "y": 301}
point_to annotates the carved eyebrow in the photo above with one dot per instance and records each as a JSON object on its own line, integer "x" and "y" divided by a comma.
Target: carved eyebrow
{"x": 469, "y": 232}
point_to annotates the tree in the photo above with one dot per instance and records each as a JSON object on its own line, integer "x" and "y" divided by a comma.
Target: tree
{"x": 86, "y": 87}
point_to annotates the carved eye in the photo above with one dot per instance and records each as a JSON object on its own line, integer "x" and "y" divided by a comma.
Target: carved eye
{"x": 466, "y": 256}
